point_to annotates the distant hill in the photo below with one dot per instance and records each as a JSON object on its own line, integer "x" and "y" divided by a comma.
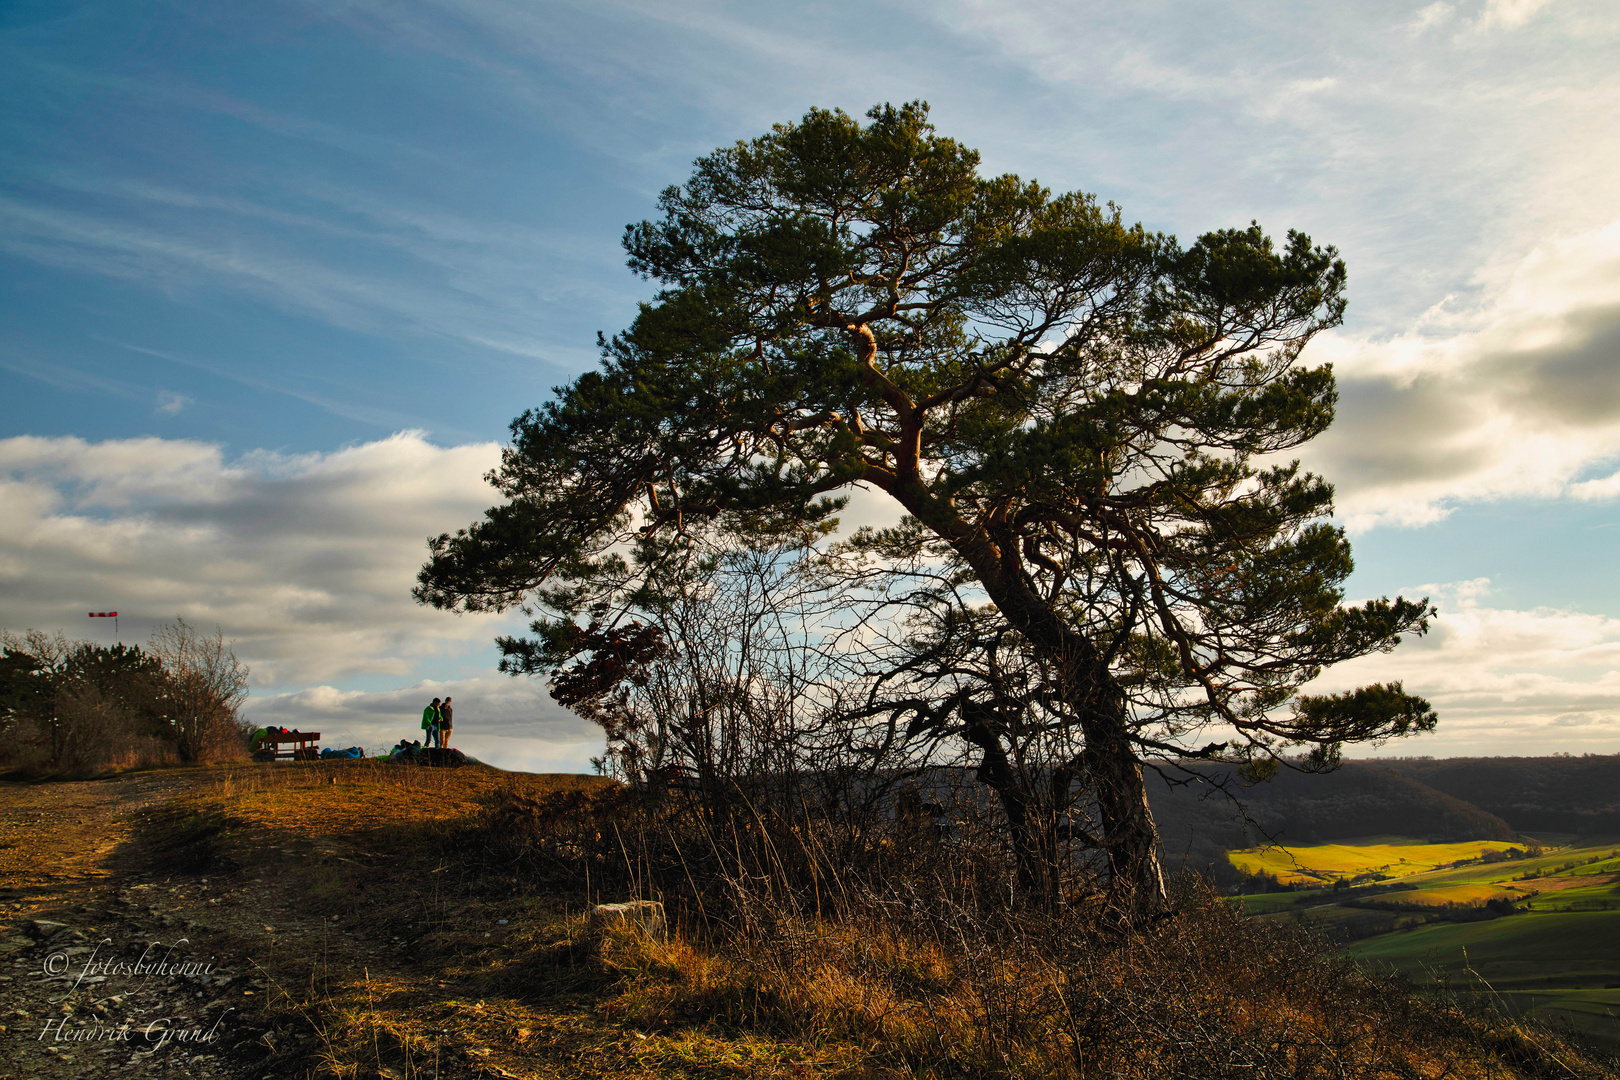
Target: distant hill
{"x": 1556, "y": 794}
{"x": 1198, "y": 825}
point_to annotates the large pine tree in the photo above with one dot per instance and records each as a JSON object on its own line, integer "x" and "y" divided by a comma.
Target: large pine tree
{"x": 1089, "y": 420}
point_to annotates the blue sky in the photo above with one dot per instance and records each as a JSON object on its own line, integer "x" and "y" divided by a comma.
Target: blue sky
{"x": 274, "y": 278}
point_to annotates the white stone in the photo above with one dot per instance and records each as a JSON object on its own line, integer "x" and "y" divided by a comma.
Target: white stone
{"x": 646, "y": 915}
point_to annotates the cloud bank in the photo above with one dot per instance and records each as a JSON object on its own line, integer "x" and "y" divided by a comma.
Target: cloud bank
{"x": 307, "y": 561}
{"x": 1502, "y": 681}
{"x": 1517, "y": 396}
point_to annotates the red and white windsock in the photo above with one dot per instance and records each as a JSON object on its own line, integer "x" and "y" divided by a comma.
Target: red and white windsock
{"x": 113, "y": 615}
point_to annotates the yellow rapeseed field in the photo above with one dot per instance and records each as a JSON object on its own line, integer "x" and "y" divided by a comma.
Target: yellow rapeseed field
{"x": 1393, "y": 856}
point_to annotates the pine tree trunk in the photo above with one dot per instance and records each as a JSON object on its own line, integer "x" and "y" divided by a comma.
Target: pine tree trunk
{"x": 1129, "y": 837}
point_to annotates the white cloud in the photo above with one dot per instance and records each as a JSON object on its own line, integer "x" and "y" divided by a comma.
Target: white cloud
{"x": 1503, "y": 681}
{"x": 1433, "y": 15}
{"x": 1517, "y": 396}
{"x": 1509, "y": 14}
{"x": 306, "y": 560}
{"x": 171, "y": 403}
{"x": 1607, "y": 487}
{"x": 1495, "y": 15}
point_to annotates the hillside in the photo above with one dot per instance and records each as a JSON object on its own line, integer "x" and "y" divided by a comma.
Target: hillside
{"x": 1533, "y": 930}
{"x": 1551, "y": 794}
{"x": 1198, "y": 824}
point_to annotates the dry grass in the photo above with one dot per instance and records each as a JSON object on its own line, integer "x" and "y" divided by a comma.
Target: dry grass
{"x": 441, "y": 986}
{"x": 346, "y": 797}
{"x": 1205, "y": 995}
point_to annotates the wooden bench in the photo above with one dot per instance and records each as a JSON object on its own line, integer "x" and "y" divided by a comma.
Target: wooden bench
{"x": 297, "y": 745}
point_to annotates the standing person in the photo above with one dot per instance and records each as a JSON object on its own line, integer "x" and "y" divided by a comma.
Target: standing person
{"x": 446, "y": 715}
{"x": 430, "y": 723}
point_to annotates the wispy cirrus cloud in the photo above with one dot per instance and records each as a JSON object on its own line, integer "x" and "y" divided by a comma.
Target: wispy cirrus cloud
{"x": 1425, "y": 158}
{"x": 461, "y": 287}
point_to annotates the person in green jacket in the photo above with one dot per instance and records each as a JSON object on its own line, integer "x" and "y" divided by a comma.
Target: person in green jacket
{"x": 430, "y": 723}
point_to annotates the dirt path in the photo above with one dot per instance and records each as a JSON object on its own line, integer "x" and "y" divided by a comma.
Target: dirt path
{"x": 198, "y": 923}
{"x": 106, "y": 968}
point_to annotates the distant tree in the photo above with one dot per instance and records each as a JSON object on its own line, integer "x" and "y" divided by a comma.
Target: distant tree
{"x": 1084, "y": 421}
{"x": 127, "y": 674}
{"x": 29, "y": 666}
{"x": 205, "y": 685}
{"x": 80, "y": 704}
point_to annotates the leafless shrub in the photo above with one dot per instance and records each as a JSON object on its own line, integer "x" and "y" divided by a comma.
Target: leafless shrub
{"x": 206, "y": 686}
{"x": 91, "y": 727}
{"x": 77, "y": 708}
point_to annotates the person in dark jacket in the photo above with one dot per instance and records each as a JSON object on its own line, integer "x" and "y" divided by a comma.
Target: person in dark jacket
{"x": 445, "y": 717}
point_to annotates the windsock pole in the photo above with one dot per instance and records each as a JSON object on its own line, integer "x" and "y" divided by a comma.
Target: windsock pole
{"x": 113, "y": 615}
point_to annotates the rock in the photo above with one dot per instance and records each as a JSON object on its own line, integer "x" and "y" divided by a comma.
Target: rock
{"x": 645, "y": 915}
{"x": 43, "y": 929}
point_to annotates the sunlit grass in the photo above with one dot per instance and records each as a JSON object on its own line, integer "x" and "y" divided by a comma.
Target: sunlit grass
{"x": 1460, "y": 894}
{"x": 329, "y": 797}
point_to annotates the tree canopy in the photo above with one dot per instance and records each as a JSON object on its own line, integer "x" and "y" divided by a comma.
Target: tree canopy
{"x": 1086, "y": 422}
{"x": 78, "y": 706}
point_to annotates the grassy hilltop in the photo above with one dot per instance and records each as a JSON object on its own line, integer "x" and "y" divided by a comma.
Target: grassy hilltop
{"x": 374, "y": 920}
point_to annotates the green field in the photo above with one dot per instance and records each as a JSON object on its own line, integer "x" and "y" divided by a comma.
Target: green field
{"x": 1557, "y": 957}
{"x": 1594, "y": 1013}
{"x": 1519, "y": 952}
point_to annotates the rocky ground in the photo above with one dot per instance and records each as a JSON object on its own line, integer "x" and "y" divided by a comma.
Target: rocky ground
{"x": 111, "y": 968}
{"x": 263, "y": 922}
